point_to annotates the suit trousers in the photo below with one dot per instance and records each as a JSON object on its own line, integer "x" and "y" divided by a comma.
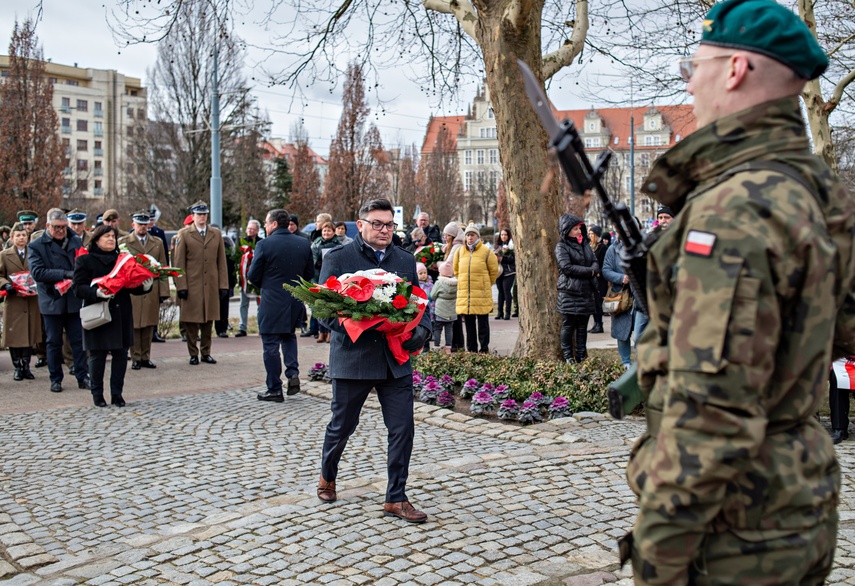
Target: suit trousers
{"x": 118, "y": 367}
{"x": 396, "y": 401}
{"x": 54, "y": 326}
{"x": 838, "y": 405}
{"x": 141, "y": 350}
{"x": 273, "y": 344}
{"x": 192, "y": 331}
{"x": 244, "y": 311}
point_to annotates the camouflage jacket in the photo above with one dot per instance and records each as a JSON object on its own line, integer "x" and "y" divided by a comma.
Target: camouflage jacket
{"x": 748, "y": 288}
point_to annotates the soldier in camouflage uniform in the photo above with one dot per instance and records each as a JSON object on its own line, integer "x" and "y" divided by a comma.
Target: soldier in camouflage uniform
{"x": 751, "y": 295}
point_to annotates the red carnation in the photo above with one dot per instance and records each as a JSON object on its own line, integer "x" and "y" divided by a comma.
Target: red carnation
{"x": 424, "y": 259}
{"x": 399, "y": 302}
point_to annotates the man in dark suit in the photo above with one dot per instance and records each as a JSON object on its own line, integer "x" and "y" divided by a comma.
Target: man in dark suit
{"x": 280, "y": 258}
{"x": 357, "y": 367}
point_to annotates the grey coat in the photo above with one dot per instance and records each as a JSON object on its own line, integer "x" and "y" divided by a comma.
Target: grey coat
{"x": 369, "y": 357}
{"x": 613, "y": 273}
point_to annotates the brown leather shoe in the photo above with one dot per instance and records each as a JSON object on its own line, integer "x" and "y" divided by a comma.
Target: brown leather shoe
{"x": 405, "y": 511}
{"x": 326, "y": 491}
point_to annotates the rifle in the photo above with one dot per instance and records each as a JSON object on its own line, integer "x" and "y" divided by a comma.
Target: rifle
{"x": 624, "y": 394}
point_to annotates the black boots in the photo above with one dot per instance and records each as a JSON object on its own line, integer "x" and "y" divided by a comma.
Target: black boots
{"x": 597, "y": 329}
{"x": 838, "y": 435}
{"x": 19, "y": 370}
{"x": 25, "y": 366}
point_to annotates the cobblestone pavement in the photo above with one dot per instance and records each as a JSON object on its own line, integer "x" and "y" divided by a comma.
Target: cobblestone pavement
{"x": 219, "y": 489}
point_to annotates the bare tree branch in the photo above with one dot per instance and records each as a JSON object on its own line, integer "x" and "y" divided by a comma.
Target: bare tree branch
{"x": 557, "y": 60}
{"x": 462, "y": 10}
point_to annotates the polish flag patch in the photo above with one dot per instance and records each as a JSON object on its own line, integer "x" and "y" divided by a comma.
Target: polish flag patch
{"x": 699, "y": 243}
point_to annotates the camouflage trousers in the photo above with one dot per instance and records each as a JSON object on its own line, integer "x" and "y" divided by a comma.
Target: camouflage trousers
{"x": 752, "y": 558}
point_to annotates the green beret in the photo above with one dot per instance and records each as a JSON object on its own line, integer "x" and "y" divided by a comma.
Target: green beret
{"x": 765, "y": 27}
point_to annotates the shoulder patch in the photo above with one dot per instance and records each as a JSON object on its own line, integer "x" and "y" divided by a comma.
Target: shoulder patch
{"x": 700, "y": 243}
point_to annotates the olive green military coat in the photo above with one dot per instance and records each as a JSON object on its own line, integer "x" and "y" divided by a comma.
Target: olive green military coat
{"x": 146, "y": 307}
{"x": 204, "y": 264}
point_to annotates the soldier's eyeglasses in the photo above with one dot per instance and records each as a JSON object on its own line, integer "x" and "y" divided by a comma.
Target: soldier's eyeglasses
{"x": 378, "y": 225}
{"x": 688, "y": 65}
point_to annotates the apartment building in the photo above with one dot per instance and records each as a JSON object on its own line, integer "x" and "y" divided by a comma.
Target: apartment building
{"x": 656, "y": 129}
{"x": 99, "y": 111}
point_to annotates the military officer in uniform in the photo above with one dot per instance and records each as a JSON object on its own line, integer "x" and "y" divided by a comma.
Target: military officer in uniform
{"x": 751, "y": 296}
{"x": 111, "y": 217}
{"x": 22, "y": 322}
{"x": 146, "y": 307}
{"x": 77, "y": 222}
{"x": 27, "y": 218}
{"x": 200, "y": 251}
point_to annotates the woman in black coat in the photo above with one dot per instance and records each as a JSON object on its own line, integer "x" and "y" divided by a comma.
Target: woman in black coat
{"x": 577, "y": 271}
{"x": 116, "y": 336}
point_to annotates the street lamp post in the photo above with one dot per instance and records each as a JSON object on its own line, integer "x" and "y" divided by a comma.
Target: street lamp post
{"x": 216, "y": 180}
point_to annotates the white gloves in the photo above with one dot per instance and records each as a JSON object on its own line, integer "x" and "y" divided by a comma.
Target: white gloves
{"x": 101, "y": 295}
{"x": 147, "y": 284}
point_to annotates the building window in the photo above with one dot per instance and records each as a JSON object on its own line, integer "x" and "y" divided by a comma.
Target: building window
{"x": 494, "y": 179}
{"x": 82, "y": 185}
{"x": 645, "y": 159}
{"x": 82, "y": 165}
{"x": 97, "y": 106}
{"x": 66, "y": 122}
{"x": 82, "y": 105}
{"x": 467, "y": 157}
{"x": 130, "y": 112}
{"x": 66, "y": 104}
{"x": 97, "y": 184}
{"x": 494, "y": 156}
{"x": 592, "y": 126}
{"x": 98, "y": 129}
{"x": 133, "y": 92}
{"x": 98, "y": 164}
{"x": 593, "y": 142}
{"x": 655, "y": 140}
{"x": 651, "y": 124}
{"x": 490, "y": 114}
{"x": 130, "y": 131}
{"x": 82, "y": 145}
{"x": 467, "y": 180}
{"x": 82, "y": 125}
{"x": 71, "y": 82}
{"x": 479, "y": 157}
{"x": 140, "y": 113}
{"x": 97, "y": 144}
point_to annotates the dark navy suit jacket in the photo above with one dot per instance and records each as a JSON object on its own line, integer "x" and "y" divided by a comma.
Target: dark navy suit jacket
{"x": 369, "y": 357}
{"x": 280, "y": 258}
{"x": 48, "y": 262}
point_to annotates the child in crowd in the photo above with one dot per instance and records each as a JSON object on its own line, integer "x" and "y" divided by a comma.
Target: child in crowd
{"x": 444, "y": 314}
{"x": 426, "y": 285}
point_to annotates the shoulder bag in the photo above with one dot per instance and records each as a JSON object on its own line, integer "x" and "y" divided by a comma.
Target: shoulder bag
{"x": 95, "y": 315}
{"x": 615, "y": 304}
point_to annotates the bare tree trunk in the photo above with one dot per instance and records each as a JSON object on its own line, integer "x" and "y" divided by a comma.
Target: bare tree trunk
{"x": 534, "y": 215}
{"x": 820, "y": 129}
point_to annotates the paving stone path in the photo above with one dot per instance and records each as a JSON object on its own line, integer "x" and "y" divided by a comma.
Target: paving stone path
{"x": 219, "y": 489}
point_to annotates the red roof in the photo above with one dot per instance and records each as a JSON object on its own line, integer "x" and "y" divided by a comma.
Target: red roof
{"x": 453, "y": 123}
{"x": 617, "y": 120}
{"x": 288, "y": 151}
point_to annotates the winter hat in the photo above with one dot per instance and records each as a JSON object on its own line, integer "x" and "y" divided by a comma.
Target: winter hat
{"x": 451, "y": 229}
{"x": 597, "y": 230}
{"x": 420, "y": 266}
{"x": 445, "y": 269}
{"x": 472, "y": 229}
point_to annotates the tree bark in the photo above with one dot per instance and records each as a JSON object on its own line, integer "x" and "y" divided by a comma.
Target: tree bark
{"x": 534, "y": 215}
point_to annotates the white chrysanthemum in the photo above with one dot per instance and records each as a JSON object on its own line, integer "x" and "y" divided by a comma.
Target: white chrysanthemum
{"x": 153, "y": 261}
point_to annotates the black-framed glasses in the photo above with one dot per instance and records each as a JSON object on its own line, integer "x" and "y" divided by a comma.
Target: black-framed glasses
{"x": 377, "y": 225}
{"x": 56, "y": 226}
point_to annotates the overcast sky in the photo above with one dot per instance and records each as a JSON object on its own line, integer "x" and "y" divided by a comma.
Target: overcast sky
{"x": 77, "y": 32}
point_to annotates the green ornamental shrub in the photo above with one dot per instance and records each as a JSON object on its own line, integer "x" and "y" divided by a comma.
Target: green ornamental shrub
{"x": 583, "y": 385}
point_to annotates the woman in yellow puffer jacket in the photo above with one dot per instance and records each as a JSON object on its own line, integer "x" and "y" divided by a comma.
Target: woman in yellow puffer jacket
{"x": 476, "y": 268}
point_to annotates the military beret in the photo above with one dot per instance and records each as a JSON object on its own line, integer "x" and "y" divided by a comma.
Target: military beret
{"x": 76, "y": 216}
{"x": 768, "y": 28}
{"x": 188, "y": 220}
{"x": 27, "y": 216}
{"x": 141, "y": 217}
{"x": 664, "y": 210}
{"x": 200, "y": 207}
{"x": 110, "y": 215}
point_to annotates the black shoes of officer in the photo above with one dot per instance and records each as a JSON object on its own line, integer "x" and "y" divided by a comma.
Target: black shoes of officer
{"x": 71, "y": 370}
{"x": 118, "y": 401}
{"x": 41, "y": 362}
{"x": 208, "y": 359}
{"x": 597, "y": 329}
{"x": 99, "y": 401}
{"x": 84, "y": 383}
{"x": 194, "y": 360}
{"x": 309, "y": 334}
{"x": 838, "y": 435}
{"x": 240, "y": 334}
{"x": 147, "y": 364}
{"x": 25, "y": 365}
{"x": 155, "y": 337}
{"x": 500, "y": 316}
{"x": 19, "y": 370}
{"x": 222, "y": 334}
{"x": 271, "y": 396}
{"x": 135, "y": 365}
{"x": 56, "y": 387}
{"x": 293, "y": 385}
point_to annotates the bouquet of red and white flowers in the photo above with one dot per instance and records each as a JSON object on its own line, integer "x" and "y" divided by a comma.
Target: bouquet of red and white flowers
{"x": 429, "y": 254}
{"x": 23, "y": 283}
{"x": 159, "y": 271}
{"x": 367, "y": 299}
{"x": 126, "y": 274}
